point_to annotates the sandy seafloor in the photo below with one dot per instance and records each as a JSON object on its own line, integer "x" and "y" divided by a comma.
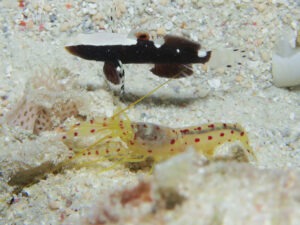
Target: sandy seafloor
{"x": 265, "y": 191}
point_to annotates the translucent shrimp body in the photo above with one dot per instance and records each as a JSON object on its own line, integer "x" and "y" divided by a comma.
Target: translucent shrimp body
{"x": 101, "y": 137}
{"x": 124, "y": 141}
{"x": 161, "y": 142}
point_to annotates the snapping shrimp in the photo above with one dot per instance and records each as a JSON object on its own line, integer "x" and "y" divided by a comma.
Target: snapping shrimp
{"x": 121, "y": 140}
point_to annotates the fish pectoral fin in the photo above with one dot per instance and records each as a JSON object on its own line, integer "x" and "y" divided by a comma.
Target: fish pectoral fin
{"x": 170, "y": 70}
{"x": 113, "y": 72}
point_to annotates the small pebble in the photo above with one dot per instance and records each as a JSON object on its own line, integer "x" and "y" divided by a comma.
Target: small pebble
{"x": 265, "y": 56}
{"x": 149, "y": 10}
{"x": 52, "y": 18}
{"x": 47, "y": 7}
{"x": 183, "y": 25}
{"x": 164, "y": 2}
{"x": 30, "y": 24}
{"x": 260, "y": 7}
{"x": 292, "y": 116}
{"x": 120, "y": 8}
{"x": 218, "y": 2}
{"x": 65, "y": 26}
{"x": 214, "y": 83}
{"x": 239, "y": 78}
{"x": 161, "y": 31}
{"x": 92, "y": 11}
{"x": 169, "y": 25}
{"x": 131, "y": 10}
{"x": 93, "y": 5}
{"x": 53, "y": 205}
{"x": 97, "y": 17}
{"x": 4, "y": 103}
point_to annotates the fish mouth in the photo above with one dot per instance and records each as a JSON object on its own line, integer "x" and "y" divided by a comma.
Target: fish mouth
{"x": 72, "y": 50}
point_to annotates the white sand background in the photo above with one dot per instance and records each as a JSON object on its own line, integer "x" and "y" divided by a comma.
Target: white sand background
{"x": 262, "y": 192}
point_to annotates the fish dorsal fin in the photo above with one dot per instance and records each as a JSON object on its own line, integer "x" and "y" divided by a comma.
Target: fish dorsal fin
{"x": 101, "y": 38}
{"x": 176, "y": 41}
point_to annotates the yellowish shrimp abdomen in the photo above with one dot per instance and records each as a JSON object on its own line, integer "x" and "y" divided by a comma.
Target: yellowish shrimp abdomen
{"x": 208, "y": 137}
{"x": 161, "y": 142}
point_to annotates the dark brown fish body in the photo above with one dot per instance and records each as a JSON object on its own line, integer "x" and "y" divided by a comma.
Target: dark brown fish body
{"x": 172, "y": 59}
{"x": 142, "y": 52}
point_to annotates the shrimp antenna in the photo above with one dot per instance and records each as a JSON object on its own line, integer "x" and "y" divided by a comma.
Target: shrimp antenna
{"x": 145, "y": 96}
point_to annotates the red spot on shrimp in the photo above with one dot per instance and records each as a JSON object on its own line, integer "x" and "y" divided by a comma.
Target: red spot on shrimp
{"x": 184, "y": 131}
{"x": 97, "y": 152}
{"x": 197, "y": 140}
{"x": 224, "y": 125}
{"x": 92, "y": 130}
{"x": 91, "y": 121}
{"x": 232, "y": 132}
{"x": 222, "y": 134}
{"x": 64, "y": 137}
{"x": 75, "y": 134}
{"x": 211, "y": 126}
{"x": 107, "y": 151}
{"x": 198, "y": 128}
{"x": 149, "y": 151}
{"x": 89, "y": 153}
{"x": 172, "y": 141}
{"x": 242, "y": 133}
{"x": 209, "y": 137}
